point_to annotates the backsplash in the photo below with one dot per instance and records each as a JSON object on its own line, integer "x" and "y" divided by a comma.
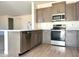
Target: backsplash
{"x": 70, "y": 25}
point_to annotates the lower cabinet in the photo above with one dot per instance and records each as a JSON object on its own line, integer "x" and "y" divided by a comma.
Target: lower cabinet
{"x": 33, "y": 39}
{"x": 78, "y": 39}
{"x": 30, "y": 39}
{"x": 71, "y": 38}
{"x": 36, "y": 38}
{"x": 39, "y": 37}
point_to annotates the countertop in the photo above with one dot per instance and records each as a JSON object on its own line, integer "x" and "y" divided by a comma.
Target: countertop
{"x": 21, "y": 30}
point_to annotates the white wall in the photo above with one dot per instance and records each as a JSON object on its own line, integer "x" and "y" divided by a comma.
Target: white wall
{"x": 25, "y": 22}
{"x": 17, "y": 23}
{"x": 3, "y": 22}
{"x": 20, "y": 22}
{"x": 13, "y": 43}
{"x": 70, "y": 25}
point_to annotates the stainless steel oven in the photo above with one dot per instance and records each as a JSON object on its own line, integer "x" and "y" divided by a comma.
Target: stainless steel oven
{"x": 58, "y": 35}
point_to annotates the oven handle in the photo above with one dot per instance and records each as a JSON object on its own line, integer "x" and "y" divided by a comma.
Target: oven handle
{"x": 57, "y": 30}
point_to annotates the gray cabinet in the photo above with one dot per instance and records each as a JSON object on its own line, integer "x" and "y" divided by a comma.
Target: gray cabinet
{"x": 30, "y": 39}
{"x": 78, "y": 38}
{"x": 59, "y": 7}
{"x": 39, "y": 15}
{"x": 36, "y": 38}
{"x": 33, "y": 39}
{"x": 45, "y": 14}
{"x": 71, "y": 38}
{"x": 39, "y": 37}
{"x": 77, "y": 10}
{"x": 71, "y": 12}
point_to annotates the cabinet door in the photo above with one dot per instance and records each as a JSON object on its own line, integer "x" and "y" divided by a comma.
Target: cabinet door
{"x": 71, "y": 12}
{"x": 39, "y": 37}
{"x": 78, "y": 38}
{"x": 36, "y": 38}
{"x": 33, "y": 39}
{"x": 39, "y": 15}
{"x": 59, "y": 7}
{"x": 71, "y": 38}
{"x": 54, "y": 7}
{"x": 77, "y": 10}
{"x": 47, "y": 15}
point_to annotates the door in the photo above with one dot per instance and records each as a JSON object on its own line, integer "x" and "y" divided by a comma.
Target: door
{"x": 10, "y": 23}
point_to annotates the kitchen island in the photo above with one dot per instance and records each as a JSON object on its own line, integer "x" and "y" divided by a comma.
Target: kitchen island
{"x": 21, "y": 41}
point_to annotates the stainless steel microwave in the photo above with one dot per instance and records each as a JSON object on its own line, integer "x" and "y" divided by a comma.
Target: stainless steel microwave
{"x": 58, "y": 17}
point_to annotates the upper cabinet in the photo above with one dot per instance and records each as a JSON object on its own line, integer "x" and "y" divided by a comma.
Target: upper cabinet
{"x": 39, "y": 14}
{"x": 45, "y": 14}
{"x": 71, "y": 12}
{"x": 77, "y": 10}
{"x": 59, "y": 7}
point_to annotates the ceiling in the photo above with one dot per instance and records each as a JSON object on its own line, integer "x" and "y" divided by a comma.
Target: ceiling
{"x": 42, "y": 2}
{"x": 15, "y": 8}
{"x": 53, "y": 1}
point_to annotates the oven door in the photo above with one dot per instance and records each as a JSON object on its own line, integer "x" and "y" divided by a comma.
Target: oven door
{"x": 58, "y": 37}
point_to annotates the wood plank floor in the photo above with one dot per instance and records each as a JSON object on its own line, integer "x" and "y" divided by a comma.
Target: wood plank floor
{"x": 46, "y": 50}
